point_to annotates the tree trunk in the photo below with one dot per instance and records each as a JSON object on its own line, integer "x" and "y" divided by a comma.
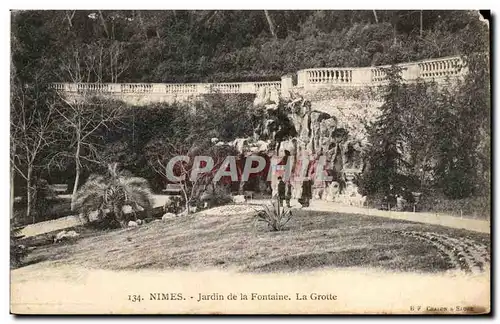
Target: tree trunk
{"x": 421, "y": 23}
{"x": 184, "y": 191}
{"x": 77, "y": 175}
{"x": 270, "y": 23}
{"x": 240, "y": 189}
{"x": 375, "y": 15}
{"x": 29, "y": 193}
{"x": 12, "y": 177}
{"x": 103, "y": 23}
{"x": 395, "y": 20}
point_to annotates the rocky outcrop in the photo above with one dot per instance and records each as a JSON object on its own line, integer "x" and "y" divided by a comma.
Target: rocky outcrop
{"x": 294, "y": 128}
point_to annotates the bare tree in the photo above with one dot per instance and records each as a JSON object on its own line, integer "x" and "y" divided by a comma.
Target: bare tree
{"x": 118, "y": 62}
{"x": 84, "y": 115}
{"x": 159, "y": 153}
{"x": 32, "y": 131}
{"x": 81, "y": 120}
{"x": 102, "y": 61}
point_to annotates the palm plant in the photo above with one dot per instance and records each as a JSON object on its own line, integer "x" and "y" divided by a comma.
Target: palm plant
{"x": 112, "y": 192}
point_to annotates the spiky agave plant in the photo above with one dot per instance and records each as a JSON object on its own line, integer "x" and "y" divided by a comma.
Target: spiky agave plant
{"x": 275, "y": 217}
{"x": 112, "y": 192}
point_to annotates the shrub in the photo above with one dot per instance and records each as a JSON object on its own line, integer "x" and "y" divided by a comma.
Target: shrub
{"x": 476, "y": 207}
{"x": 219, "y": 195}
{"x": 275, "y": 216}
{"x": 17, "y": 251}
{"x": 174, "y": 205}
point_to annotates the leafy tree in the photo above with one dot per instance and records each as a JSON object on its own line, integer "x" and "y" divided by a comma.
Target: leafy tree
{"x": 463, "y": 134}
{"x": 387, "y": 161}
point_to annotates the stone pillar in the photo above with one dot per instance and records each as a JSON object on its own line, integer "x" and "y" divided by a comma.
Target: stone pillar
{"x": 412, "y": 73}
{"x": 286, "y": 86}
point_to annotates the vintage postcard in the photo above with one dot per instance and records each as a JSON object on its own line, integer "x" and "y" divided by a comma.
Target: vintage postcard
{"x": 250, "y": 162}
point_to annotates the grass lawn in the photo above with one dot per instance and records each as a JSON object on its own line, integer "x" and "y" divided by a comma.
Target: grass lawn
{"x": 312, "y": 240}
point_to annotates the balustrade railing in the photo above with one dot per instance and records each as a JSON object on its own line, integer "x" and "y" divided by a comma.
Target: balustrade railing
{"x": 328, "y": 75}
{"x": 441, "y": 68}
{"x": 428, "y": 69}
{"x": 166, "y": 88}
{"x": 436, "y": 69}
{"x": 179, "y": 88}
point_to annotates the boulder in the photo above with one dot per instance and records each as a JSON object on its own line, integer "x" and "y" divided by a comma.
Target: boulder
{"x": 168, "y": 216}
{"x": 238, "y": 199}
{"x": 65, "y": 235}
{"x": 139, "y": 222}
{"x": 132, "y": 224}
{"x": 182, "y": 214}
{"x": 127, "y": 209}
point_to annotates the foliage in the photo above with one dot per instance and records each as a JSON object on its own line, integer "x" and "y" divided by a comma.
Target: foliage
{"x": 475, "y": 206}
{"x": 225, "y": 45}
{"x": 433, "y": 138}
{"x": 463, "y": 140}
{"x": 275, "y": 216}
{"x": 17, "y": 251}
{"x": 44, "y": 198}
{"x": 387, "y": 136}
{"x": 174, "y": 205}
{"x": 218, "y": 195}
{"x": 112, "y": 192}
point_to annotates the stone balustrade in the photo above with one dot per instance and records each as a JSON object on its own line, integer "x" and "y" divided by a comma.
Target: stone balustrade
{"x": 441, "y": 68}
{"x": 437, "y": 69}
{"x": 434, "y": 69}
{"x": 166, "y": 88}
